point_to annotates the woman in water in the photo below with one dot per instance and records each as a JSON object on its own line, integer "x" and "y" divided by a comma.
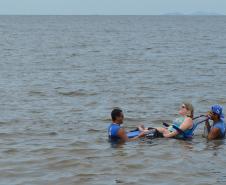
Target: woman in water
{"x": 184, "y": 123}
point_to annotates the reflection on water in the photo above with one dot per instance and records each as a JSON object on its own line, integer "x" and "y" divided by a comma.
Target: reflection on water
{"x": 60, "y": 77}
{"x": 215, "y": 144}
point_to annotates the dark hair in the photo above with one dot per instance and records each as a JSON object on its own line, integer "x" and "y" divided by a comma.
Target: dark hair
{"x": 116, "y": 112}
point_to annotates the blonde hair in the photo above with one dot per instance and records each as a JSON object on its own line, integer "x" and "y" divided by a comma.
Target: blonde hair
{"x": 190, "y": 109}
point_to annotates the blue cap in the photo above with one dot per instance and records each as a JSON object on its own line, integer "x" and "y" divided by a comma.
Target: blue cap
{"x": 217, "y": 109}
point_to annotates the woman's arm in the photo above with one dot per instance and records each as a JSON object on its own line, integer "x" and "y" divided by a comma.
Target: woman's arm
{"x": 187, "y": 124}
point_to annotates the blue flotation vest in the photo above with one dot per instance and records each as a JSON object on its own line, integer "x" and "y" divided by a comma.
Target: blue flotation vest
{"x": 113, "y": 131}
{"x": 176, "y": 124}
{"x": 220, "y": 125}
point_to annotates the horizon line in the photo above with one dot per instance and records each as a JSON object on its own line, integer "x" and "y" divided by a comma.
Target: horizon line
{"x": 164, "y": 14}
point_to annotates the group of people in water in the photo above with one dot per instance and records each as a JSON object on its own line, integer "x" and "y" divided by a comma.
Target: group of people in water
{"x": 182, "y": 126}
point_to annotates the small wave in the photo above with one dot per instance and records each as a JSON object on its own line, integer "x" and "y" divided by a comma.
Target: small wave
{"x": 127, "y": 119}
{"x": 82, "y": 45}
{"x": 3, "y": 122}
{"x": 221, "y": 63}
{"x": 58, "y": 87}
{"x": 91, "y": 104}
{"x": 58, "y": 47}
{"x": 221, "y": 101}
{"x": 212, "y": 56}
{"x": 221, "y": 47}
{"x": 105, "y": 119}
{"x": 11, "y": 151}
{"x": 63, "y": 164}
{"x": 77, "y": 93}
{"x": 36, "y": 111}
{"x": 76, "y": 110}
{"x": 138, "y": 120}
{"x": 52, "y": 133}
{"x": 35, "y": 93}
{"x": 8, "y": 49}
{"x": 134, "y": 72}
{"x": 13, "y": 121}
{"x": 79, "y": 144}
{"x": 40, "y": 134}
{"x": 160, "y": 121}
{"x": 93, "y": 130}
{"x": 119, "y": 181}
{"x": 95, "y": 51}
{"x": 202, "y": 100}
{"x": 135, "y": 166}
{"x": 74, "y": 55}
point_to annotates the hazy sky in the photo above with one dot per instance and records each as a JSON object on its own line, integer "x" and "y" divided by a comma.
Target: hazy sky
{"x": 111, "y": 7}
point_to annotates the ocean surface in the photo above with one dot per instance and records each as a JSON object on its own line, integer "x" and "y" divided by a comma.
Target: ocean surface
{"x": 60, "y": 77}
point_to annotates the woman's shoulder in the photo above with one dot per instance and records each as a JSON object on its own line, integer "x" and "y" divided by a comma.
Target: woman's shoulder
{"x": 188, "y": 120}
{"x": 182, "y": 118}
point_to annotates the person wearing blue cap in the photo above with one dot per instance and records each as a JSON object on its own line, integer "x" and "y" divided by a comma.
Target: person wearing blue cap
{"x": 218, "y": 128}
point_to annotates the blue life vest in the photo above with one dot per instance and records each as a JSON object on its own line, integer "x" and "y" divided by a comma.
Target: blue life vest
{"x": 186, "y": 133}
{"x": 220, "y": 125}
{"x": 113, "y": 131}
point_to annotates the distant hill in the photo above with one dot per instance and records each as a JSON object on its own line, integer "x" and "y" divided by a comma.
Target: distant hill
{"x": 195, "y": 13}
{"x": 205, "y": 13}
{"x": 174, "y": 13}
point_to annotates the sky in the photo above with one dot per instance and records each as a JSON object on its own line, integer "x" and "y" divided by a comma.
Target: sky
{"x": 111, "y": 7}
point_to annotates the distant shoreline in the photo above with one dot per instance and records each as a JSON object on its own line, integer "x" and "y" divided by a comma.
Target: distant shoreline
{"x": 111, "y": 15}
